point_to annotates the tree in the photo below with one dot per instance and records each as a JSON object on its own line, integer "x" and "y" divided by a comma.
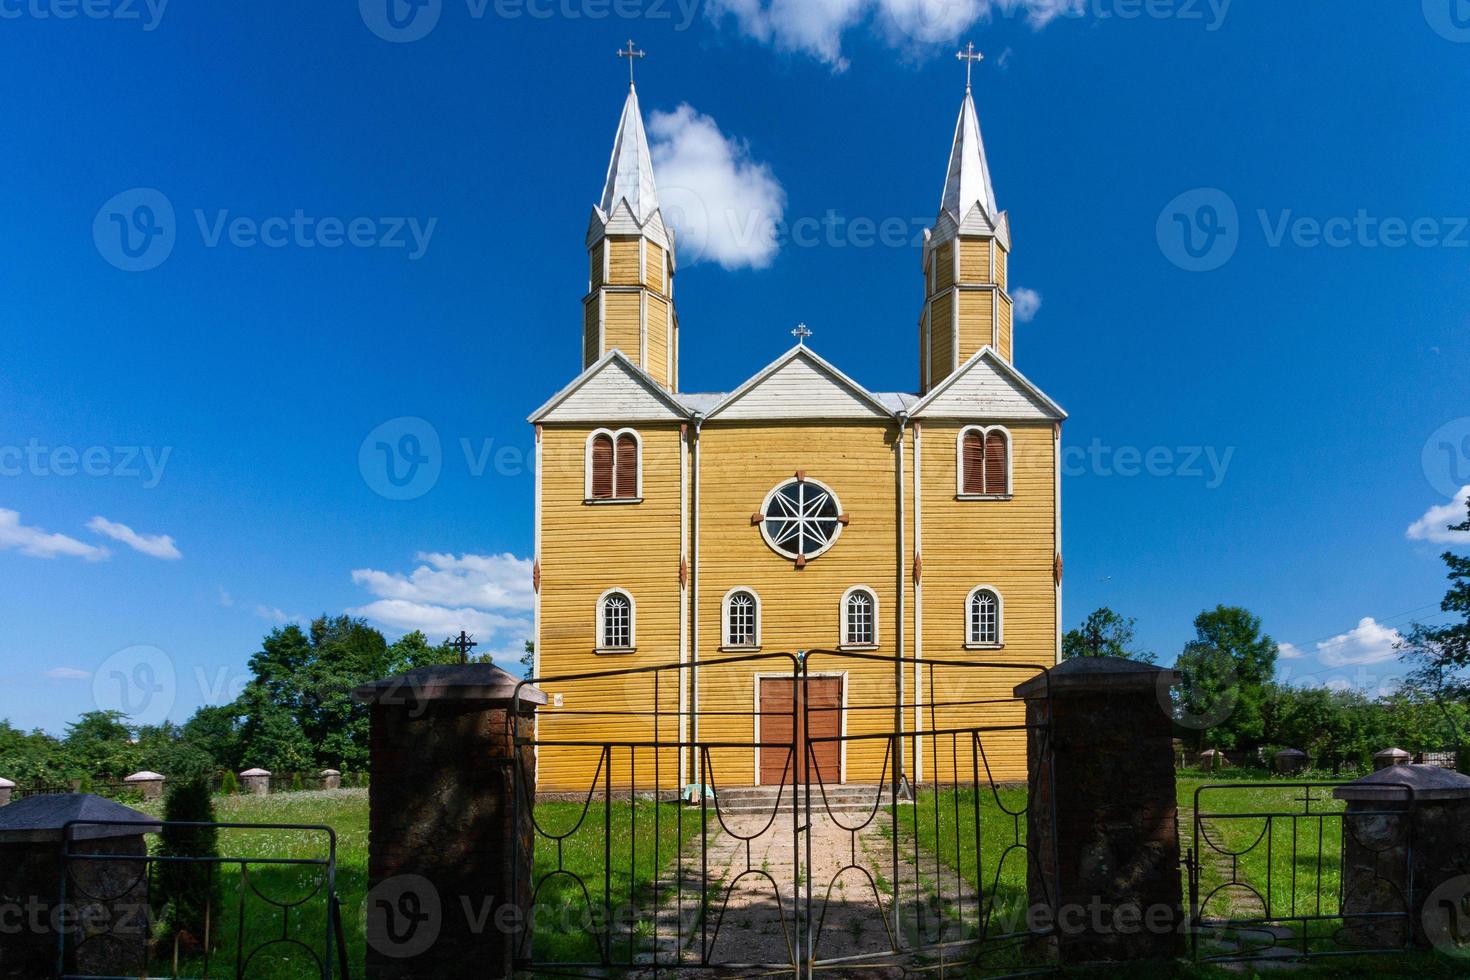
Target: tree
{"x": 1442, "y": 653}
{"x": 1227, "y": 670}
{"x": 102, "y": 743}
{"x": 30, "y": 757}
{"x": 1105, "y": 634}
{"x": 188, "y": 896}
{"x": 215, "y": 730}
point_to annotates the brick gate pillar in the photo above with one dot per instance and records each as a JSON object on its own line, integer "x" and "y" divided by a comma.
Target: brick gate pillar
{"x": 442, "y": 823}
{"x": 1406, "y": 858}
{"x": 1104, "y": 879}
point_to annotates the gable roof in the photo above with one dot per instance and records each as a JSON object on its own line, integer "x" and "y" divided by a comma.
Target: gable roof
{"x": 612, "y": 389}
{"x": 988, "y": 385}
{"x": 800, "y": 385}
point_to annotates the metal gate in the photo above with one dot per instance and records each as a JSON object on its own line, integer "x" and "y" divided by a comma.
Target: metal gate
{"x": 896, "y": 835}
{"x": 1282, "y": 871}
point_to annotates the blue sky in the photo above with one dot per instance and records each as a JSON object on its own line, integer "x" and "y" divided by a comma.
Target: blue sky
{"x": 201, "y": 420}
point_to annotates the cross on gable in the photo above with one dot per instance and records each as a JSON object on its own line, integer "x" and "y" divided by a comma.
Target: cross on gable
{"x": 464, "y": 643}
{"x": 801, "y": 333}
{"x": 970, "y": 57}
{"x": 632, "y": 53}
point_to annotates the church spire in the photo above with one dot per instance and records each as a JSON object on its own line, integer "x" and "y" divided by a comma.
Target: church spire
{"x": 630, "y": 172}
{"x": 968, "y": 181}
{"x": 629, "y": 304}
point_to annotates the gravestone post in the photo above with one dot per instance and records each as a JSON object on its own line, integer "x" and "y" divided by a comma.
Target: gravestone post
{"x": 445, "y": 898}
{"x": 6, "y": 788}
{"x": 1103, "y": 818}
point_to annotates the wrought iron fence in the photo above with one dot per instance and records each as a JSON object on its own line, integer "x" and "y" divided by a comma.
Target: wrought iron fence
{"x": 140, "y": 911}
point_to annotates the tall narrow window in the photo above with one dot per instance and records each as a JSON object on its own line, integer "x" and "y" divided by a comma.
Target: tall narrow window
{"x": 742, "y": 619}
{"x": 859, "y": 618}
{"x": 615, "y": 621}
{"x": 984, "y": 462}
{"x": 985, "y": 628}
{"x": 614, "y": 460}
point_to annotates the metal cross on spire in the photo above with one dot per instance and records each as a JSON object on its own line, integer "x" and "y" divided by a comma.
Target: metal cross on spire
{"x": 464, "y": 644}
{"x": 970, "y": 57}
{"x": 801, "y": 333}
{"x": 632, "y": 53}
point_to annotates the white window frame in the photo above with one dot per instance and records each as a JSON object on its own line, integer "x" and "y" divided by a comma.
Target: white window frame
{"x": 846, "y": 641}
{"x": 614, "y": 435}
{"x": 632, "y": 646}
{"x": 1000, "y": 619}
{"x": 766, "y": 521}
{"x": 959, "y": 459}
{"x": 726, "y": 642}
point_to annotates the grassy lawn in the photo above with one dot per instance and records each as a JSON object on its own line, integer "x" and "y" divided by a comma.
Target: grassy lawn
{"x": 561, "y": 899}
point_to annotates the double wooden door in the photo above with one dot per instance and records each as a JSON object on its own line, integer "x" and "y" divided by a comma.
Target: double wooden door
{"x": 814, "y": 761}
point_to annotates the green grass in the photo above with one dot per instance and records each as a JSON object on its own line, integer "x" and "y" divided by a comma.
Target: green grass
{"x": 346, "y": 812}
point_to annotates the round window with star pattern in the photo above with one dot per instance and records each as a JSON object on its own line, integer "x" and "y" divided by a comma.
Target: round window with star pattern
{"x": 802, "y": 519}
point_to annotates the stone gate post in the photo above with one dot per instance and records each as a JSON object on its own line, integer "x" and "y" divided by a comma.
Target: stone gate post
{"x": 442, "y": 823}
{"x": 1103, "y": 819}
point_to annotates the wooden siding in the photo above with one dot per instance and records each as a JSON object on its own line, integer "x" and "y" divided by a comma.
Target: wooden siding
{"x": 595, "y": 261}
{"x": 944, "y": 266}
{"x": 941, "y": 338}
{"x": 591, "y": 341}
{"x": 799, "y": 389}
{"x": 1006, "y": 335}
{"x": 986, "y": 391}
{"x": 1002, "y": 264}
{"x": 974, "y": 260}
{"x": 654, "y": 268}
{"x": 658, "y": 340}
{"x": 614, "y": 396}
{"x": 623, "y": 265}
{"x": 1009, "y": 545}
{"x": 586, "y": 550}
{"x": 799, "y": 609}
{"x": 623, "y": 326}
{"x": 977, "y": 326}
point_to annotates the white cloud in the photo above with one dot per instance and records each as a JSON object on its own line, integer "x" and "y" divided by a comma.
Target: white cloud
{"x": 1027, "y": 303}
{"x": 724, "y": 206}
{"x": 156, "y": 545}
{"x": 1369, "y": 643}
{"x": 225, "y": 599}
{"x": 67, "y": 674}
{"x": 487, "y": 595}
{"x": 1290, "y": 651}
{"x": 1435, "y": 525}
{"x": 277, "y": 615}
{"x": 37, "y": 543}
{"x": 817, "y": 27}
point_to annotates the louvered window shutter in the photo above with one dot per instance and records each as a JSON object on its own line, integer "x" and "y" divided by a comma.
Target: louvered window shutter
{"x": 627, "y": 468}
{"x": 995, "y": 465}
{"x": 602, "y": 468}
{"x": 973, "y": 460}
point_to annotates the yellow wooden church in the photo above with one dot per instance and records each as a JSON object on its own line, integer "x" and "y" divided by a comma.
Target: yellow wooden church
{"x": 798, "y": 512}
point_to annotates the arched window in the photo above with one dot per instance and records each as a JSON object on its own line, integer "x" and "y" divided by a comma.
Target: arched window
{"x": 614, "y": 472}
{"x": 984, "y": 462}
{"x": 859, "y": 617}
{"x": 615, "y": 621}
{"x": 985, "y": 612}
{"x": 742, "y": 619}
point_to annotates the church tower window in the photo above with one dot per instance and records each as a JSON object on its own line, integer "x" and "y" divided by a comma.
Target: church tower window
{"x": 614, "y": 471}
{"x": 615, "y": 622}
{"x": 986, "y": 628}
{"x": 984, "y": 462}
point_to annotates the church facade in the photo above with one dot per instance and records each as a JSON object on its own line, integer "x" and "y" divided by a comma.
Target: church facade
{"x": 799, "y": 511}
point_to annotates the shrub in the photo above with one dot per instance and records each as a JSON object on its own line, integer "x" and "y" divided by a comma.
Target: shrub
{"x": 296, "y": 784}
{"x": 188, "y": 897}
{"x": 230, "y": 786}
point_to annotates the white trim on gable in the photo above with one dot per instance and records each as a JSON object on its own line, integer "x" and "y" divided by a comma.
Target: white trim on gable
{"x": 1008, "y": 395}
{"x": 612, "y": 389}
{"x": 800, "y": 385}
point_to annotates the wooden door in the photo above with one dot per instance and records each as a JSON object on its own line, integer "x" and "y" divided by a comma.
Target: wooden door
{"x": 822, "y": 760}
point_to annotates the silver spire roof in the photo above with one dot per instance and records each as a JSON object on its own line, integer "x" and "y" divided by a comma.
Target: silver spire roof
{"x": 968, "y": 182}
{"x": 630, "y": 172}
